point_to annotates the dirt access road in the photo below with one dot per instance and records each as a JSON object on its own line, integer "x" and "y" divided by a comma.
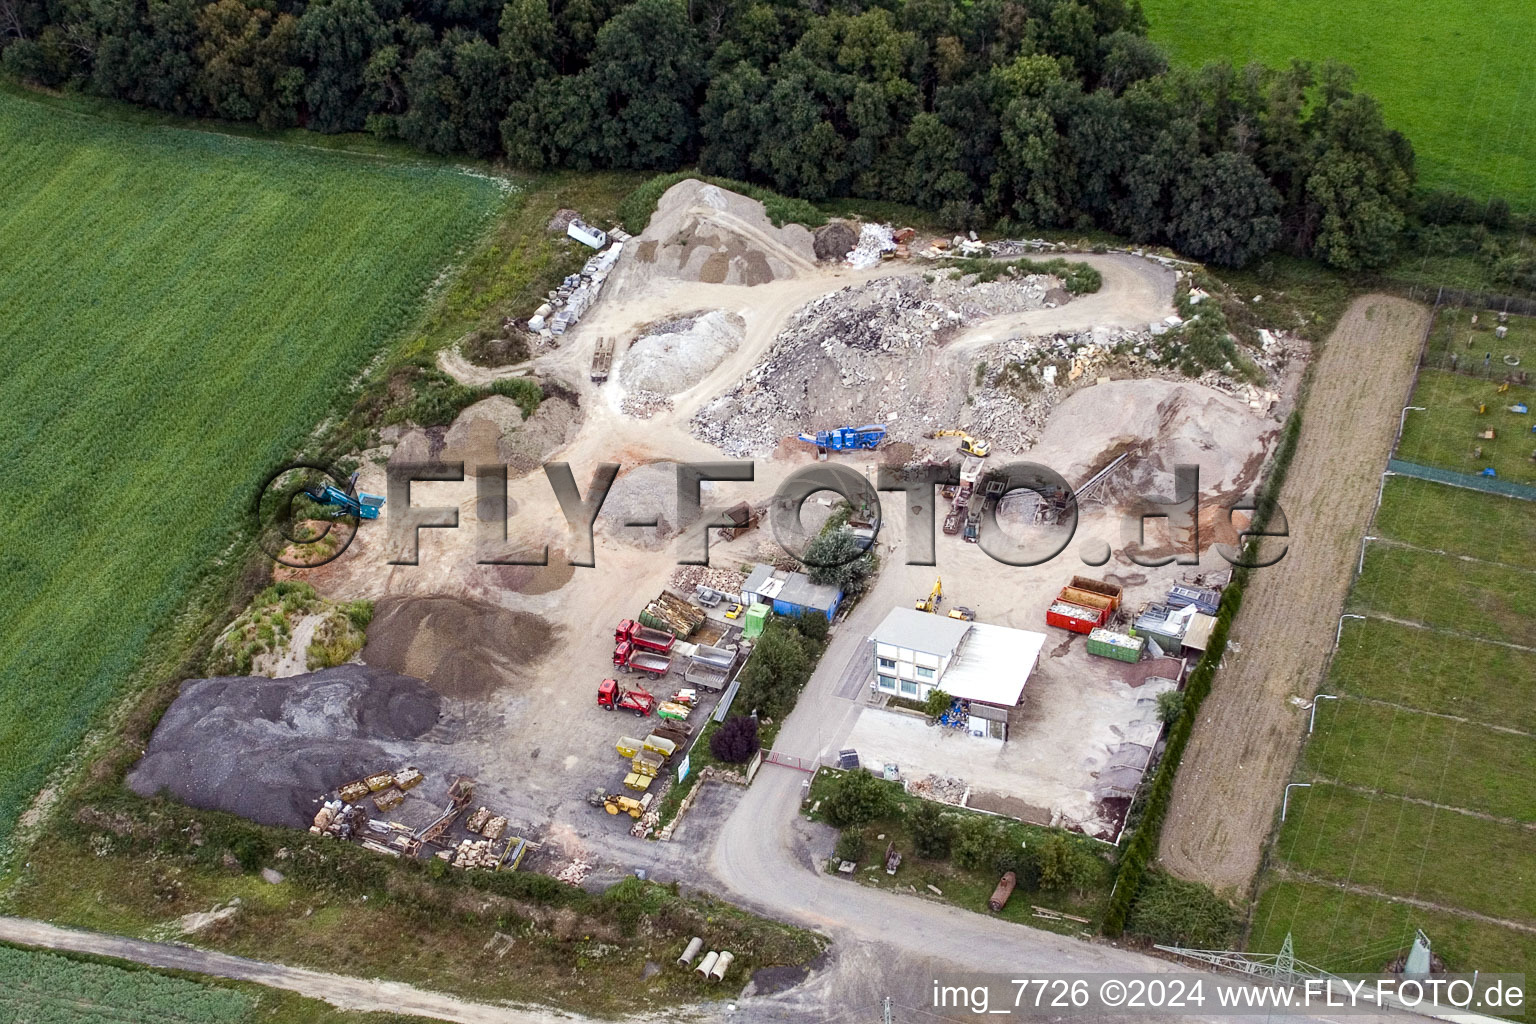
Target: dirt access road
{"x": 1246, "y": 740}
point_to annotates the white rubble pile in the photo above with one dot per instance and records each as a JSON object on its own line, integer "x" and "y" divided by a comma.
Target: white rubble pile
{"x": 673, "y": 356}
{"x": 874, "y": 241}
{"x": 941, "y": 788}
{"x": 642, "y": 404}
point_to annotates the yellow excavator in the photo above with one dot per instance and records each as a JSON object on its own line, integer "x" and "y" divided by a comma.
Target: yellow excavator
{"x": 968, "y": 445}
{"x": 931, "y": 602}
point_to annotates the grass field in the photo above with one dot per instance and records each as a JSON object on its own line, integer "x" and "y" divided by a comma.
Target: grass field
{"x": 1454, "y": 78}
{"x": 1422, "y": 773}
{"x": 178, "y": 310}
{"x": 1484, "y": 600}
{"x": 43, "y": 988}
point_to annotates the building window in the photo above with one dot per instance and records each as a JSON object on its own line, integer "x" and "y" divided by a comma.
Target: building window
{"x": 887, "y": 683}
{"x": 908, "y": 688}
{"x": 888, "y": 664}
{"x": 924, "y": 673}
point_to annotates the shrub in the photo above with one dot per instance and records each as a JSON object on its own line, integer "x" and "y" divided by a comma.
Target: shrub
{"x": 850, "y": 845}
{"x": 932, "y": 832}
{"x": 736, "y": 740}
{"x": 976, "y": 843}
{"x": 840, "y": 559}
{"x": 1066, "y": 865}
{"x": 857, "y": 797}
{"x": 1170, "y": 705}
{"x": 937, "y": 703}
{"x": 1178, "y": 913}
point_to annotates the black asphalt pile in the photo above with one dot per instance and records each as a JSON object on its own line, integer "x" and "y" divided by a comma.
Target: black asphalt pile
{"x": 266, "y": 749}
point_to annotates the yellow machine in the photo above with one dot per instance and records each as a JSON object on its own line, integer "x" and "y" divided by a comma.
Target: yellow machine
{"x": 968, "y": 445}
{"x": 620, "y": 804}
{"x": 931, "y": 602}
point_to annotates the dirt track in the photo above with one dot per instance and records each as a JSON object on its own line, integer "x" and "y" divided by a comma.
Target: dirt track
{"x": 1246, "y": 740}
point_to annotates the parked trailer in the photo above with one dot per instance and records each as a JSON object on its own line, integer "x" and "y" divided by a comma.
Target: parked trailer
{"x": 658, "y": 640}
{"x": 630, "y": 658}
{"x": 706, "y": 676}
{"x": 720, "y": 657}
{"x": 602, "y": 360}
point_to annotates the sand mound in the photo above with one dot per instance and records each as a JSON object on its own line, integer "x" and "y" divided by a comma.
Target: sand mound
{"x": 673, "y": 356}
{"x": 493, "y": 430}
{"x": 1165, "y": 424}
{"x": 703, "y": 233}
{"x": 463, "y": 649}
{"x": 265, "y": 748}
{"x": 498, "y": 412}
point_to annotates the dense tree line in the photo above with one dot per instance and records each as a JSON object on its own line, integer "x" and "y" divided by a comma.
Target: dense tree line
{"x": 1027, "y": 113}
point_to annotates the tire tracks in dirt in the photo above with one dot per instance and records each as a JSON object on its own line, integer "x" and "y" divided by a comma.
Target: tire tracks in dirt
{"x": 1247, "y": 737}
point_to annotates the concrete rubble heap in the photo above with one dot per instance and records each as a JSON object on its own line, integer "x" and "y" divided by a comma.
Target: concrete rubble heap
{"x": 863, "y": 354}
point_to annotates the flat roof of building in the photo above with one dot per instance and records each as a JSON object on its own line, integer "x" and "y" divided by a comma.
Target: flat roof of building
{"x": 929, "y": 632}
{"x": 1198, "y": 633}
{"x": 794, "y": 588}
{"x": 993, "y": 664}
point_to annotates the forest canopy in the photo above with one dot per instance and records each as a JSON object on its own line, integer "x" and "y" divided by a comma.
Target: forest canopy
{"x": 1016, "y": 114}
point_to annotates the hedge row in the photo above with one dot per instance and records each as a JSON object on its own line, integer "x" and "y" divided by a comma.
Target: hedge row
{"x": 1143, "y": 844}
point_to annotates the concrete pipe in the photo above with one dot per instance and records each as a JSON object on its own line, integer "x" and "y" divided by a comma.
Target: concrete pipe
{"x": 722, "y": 964}
{"x": 694, "y": 945}
{"x": 707, "y": 964}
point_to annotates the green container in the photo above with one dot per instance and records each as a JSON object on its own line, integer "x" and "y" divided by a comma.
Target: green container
{"x": 1108, "y": 644}
{"x": 757, "y": 618}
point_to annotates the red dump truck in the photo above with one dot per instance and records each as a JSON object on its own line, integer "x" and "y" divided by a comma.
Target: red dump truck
{"x": 630, "y": 658}
{"x": 1084, "y": 605}
{"x": 644, "y": 636}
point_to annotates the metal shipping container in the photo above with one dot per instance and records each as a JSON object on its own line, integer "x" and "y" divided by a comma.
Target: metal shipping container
{"x": 1108, "y": 644}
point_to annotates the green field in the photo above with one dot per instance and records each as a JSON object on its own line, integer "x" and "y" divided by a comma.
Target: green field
{"x": 1422, "y": 774}
{"x": 1447, "y": 432}
{"x": 38, "y": 987}
{"x": 1454, "y": 77}
{"x": 178, "y": 310}
{"x": 43, "y": 988}
{"x": 1483, "y": 682}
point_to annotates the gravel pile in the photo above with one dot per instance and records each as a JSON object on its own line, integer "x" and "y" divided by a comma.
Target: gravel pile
{"x": 644, "y": 492}
{"x": 463, "y": 649}
{"x": 266, "y": 748}
{"x": 703, "y": 233}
